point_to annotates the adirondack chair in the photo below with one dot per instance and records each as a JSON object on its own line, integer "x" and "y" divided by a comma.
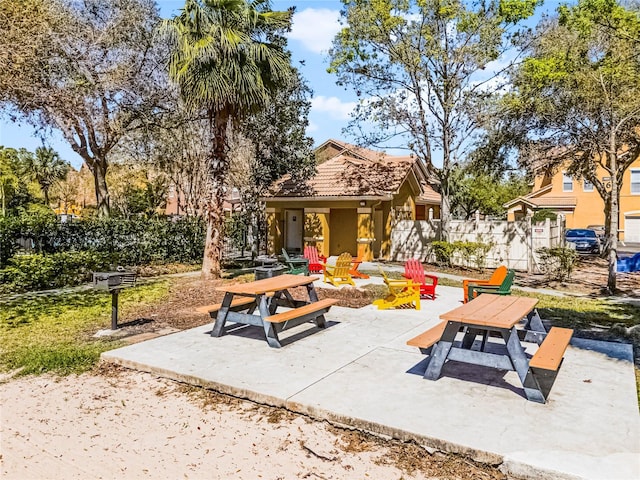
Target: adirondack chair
{"x": 503, "y": 289}
{"x": 296, "y": 266}
{"x": 497, "y": 277}
{"x": 338, "y": 274}
{"x": 355, "y": 263}
{"x": 402, "y": 293}
{"x": 315, "y": 259}
{"x": 413, "y": 270}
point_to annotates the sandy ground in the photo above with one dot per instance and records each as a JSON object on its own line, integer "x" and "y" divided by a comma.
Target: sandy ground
{"x": 123, "y": 424}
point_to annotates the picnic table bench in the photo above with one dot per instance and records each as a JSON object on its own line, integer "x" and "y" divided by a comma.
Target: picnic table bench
{"x": 266, "y": 295}
{"x": 492, "y": 313}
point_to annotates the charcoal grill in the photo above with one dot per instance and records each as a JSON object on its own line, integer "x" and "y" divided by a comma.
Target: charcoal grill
{"x": 113, "y": 282}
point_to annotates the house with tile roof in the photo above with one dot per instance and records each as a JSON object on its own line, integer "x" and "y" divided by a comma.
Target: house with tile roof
{"x": 351, "y": 203}
{"x": 579, "y": 202}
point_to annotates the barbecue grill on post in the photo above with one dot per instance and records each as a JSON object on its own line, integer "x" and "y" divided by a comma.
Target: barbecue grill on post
{"x": 114, "y": 282}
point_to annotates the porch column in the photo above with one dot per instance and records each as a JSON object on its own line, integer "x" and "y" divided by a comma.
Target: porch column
{"x": 365, "y": 234}
{"x": 316, "y": 229}
{"x": 274, "y": 230}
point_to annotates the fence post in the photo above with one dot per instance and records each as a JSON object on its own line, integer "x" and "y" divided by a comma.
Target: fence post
{"x": 529, "y": 243}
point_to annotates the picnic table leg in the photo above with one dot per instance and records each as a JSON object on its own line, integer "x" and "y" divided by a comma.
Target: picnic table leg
{"x": 221, "y": 318}
{"x": 313, "y": 297}
{"x": 441, "y": 351}
{"x": 534, "y": 322}
{"x": 269, "y": 329}
{"x": 521, "y": 365}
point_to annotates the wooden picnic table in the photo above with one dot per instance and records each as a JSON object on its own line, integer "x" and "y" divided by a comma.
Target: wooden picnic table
{"x": 241, "y": 300}
{"x": 493, "y": 313}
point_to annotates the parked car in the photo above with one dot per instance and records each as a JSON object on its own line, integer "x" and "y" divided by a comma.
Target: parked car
{"x": 584, "y": 239}
{"x": 599, "y": 229}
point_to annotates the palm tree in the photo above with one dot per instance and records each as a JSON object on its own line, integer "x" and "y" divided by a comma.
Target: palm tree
{"x": 46, "y": 168}
{"x": 225, "y": 65}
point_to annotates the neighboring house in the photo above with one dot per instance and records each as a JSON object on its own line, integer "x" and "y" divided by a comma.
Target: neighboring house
{"x": 351, "y": 203}
{"x": 579, "y": 202}
{"x": 177, "y": 205}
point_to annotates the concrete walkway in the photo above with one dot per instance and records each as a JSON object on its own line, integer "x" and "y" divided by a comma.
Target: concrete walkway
{"x": 359, "y": 372}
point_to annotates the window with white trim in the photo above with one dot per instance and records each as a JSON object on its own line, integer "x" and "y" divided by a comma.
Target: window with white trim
{"x": 635, "y": 181}
{"x": 587, "y": 186}
{"x": 567, "y": 183}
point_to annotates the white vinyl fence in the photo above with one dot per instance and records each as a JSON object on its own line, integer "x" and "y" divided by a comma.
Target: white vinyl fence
{"x": 512, "y": 243}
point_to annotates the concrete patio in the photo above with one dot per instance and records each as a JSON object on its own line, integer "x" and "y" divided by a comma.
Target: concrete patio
{"x": 360, "y": 373}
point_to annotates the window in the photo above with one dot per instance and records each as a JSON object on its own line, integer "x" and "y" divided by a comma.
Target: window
{"x": 635, "y": 181}
{"x": 567, "y": 183}
{"x": 587, "y": 186}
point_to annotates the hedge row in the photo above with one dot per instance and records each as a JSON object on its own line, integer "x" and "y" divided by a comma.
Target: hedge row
{"x": 137, "y": 241}
{"x": 65, "y": 254}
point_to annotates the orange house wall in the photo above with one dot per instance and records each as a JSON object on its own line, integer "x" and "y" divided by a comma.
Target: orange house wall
{"x": 589, "y": 206}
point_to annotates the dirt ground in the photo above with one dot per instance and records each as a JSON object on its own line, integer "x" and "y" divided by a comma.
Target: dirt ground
{"x": 123, "y": 424}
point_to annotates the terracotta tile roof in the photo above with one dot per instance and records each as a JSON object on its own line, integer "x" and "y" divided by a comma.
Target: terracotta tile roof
{"x": 348, "y": 176}
{"x": 554, "y": 201}
{"x": 429, "y": 195}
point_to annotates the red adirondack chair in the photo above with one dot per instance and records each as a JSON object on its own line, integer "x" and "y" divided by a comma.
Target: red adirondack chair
{"x": 413, "y": 270}
{"x": 315, "y": 259}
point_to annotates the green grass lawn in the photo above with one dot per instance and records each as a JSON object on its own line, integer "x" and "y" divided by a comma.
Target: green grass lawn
{"x": 54, "y": 333}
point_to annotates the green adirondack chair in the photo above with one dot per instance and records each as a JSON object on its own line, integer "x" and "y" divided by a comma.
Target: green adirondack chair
{"x": 296, "y": 266}
{"x": 503, "y": 289}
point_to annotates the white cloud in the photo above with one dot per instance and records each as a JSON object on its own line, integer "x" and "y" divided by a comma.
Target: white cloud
{"x": 335, "y": 107}
{"x": 312, "y": 127}
{"x": 315, "y": 28}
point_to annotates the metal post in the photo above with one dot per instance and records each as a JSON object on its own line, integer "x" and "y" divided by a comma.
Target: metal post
{"x": 114, "y": 309}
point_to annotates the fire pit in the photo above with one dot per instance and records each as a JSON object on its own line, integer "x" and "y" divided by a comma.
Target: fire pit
{"x": 114, "y": 282}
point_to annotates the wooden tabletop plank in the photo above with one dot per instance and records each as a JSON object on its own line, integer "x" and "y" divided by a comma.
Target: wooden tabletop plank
{"x": 492, "y": 311}
{"x": 273, "y": 284}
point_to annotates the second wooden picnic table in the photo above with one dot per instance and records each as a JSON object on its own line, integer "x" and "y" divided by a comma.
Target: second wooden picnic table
{"x": 492, "y": 313}
{"x": 266, "y": 295}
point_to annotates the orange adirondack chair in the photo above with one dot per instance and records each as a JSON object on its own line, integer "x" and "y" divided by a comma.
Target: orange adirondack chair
{"x": 355, "y": 263}
{"x": 315, "y": 259}
{"x": 496, "y": 279}
{"x": 414, "y": 271}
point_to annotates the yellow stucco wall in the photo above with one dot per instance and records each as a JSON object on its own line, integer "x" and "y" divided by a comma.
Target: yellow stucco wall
{"x": 316, "y": 230}
{"x": 343, "y": 224}
{"x": 365, "y": 234}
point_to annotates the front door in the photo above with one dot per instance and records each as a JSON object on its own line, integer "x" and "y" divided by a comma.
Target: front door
{"x": 294, "y": 229}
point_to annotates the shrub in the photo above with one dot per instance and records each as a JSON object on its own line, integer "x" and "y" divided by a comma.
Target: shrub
{"x": 557, "y": 263}
{"x": 471, "y": 253}
{"x": 542, "y": 214}
{"x": 443, "y": 252}
{"x": 41, "y": 272}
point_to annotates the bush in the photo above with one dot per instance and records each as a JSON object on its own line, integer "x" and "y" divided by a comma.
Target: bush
{"x": 41, "y": 272}
{"x": 443, "y": 251}
{"x": 557, "y": 263}
{"x": 471, "y": 252}
{"x": 542, "y": 214}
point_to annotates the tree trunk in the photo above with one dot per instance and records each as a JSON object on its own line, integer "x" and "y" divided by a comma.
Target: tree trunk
{"x": 217, "y": 169}
{"x": 614, "y": 210}
{"x": 98, "y": 168}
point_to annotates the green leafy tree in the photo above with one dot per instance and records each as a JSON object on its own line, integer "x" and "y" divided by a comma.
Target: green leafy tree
{"x": 46, "y": 168}
{"x": 9, "y": 178}
{"x": 475, "y": 190}
{"x": 417, "y": 65}
{"x": 225, "y": 65}
{"x": 577, "y": 95}
{"x": 88, "y": 69}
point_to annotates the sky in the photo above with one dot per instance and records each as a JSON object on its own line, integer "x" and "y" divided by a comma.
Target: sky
{"x": 315, "y": 23}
